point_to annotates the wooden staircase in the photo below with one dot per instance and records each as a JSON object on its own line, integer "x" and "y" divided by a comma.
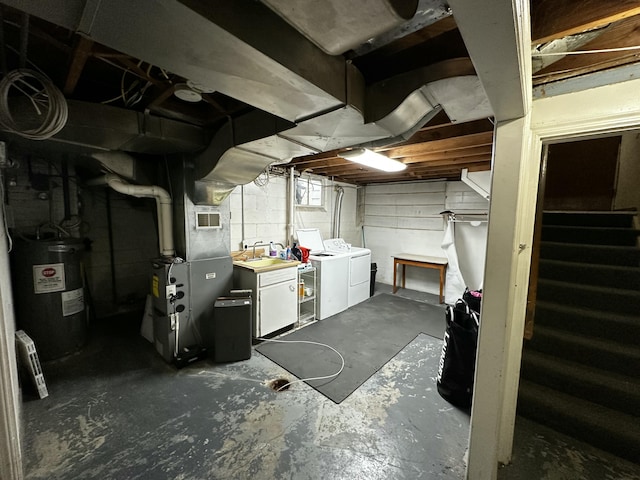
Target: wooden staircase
{"x": 581, "y": 370}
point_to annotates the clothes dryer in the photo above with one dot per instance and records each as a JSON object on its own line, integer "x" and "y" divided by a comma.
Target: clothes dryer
{"x": 359, "y": 269}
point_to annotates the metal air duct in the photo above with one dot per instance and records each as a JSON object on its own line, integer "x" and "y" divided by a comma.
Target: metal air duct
{"x": 243, "y": 49}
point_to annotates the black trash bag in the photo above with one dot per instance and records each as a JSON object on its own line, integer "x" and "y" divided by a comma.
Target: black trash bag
{"x": 473, "y": 299}
{"x": 457, "y": 365}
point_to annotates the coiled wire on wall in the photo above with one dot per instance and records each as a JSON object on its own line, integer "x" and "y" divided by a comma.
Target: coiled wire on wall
{"x": 46, "y": 99}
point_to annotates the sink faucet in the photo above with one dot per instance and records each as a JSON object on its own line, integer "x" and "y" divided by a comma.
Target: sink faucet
{"x": 260, "y": 243}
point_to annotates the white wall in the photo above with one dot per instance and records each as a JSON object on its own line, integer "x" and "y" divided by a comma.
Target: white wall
{"x": 405, "y": 218}
{"x": 264, "y": 210}
{"x": 627, "y": 191}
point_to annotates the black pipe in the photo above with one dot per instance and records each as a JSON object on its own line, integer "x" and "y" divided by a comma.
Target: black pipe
{"x": 24, "y": 40}
{"x": 65, "y": 189}
{"x": 3, "y": 55}
{"x": 114, "y": 291}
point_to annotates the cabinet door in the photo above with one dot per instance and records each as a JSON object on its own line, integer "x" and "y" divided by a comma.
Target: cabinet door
{"x": 278, "y": 307}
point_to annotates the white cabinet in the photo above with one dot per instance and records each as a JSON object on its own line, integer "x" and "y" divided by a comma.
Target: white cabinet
{"x": 275, "y": 297}
{"x": 307, "y": 296}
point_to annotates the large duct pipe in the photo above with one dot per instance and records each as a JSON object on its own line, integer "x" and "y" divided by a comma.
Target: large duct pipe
{"x": 163, "y": 203}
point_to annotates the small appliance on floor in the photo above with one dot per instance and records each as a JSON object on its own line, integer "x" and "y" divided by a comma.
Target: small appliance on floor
{"x": 232, "y": 327}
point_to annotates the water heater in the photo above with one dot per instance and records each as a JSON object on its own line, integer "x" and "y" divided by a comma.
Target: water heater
{"x": 48, "y": 292}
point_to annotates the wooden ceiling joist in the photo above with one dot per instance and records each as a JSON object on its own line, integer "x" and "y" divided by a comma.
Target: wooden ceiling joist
{"x": 553, "y": 19}
{"x": 79, "y": 57}
{"x": 450, "y": 156}
{"x": 623, "y": 34}
{"x": 446, "y": 145}
{"x": 451, "y": 130}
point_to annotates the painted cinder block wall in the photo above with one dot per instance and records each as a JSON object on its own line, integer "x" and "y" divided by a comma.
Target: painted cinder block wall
{"x": 263, "y": 212}
{"x": 405, "y": 218}
{"x": 386, "y": 218}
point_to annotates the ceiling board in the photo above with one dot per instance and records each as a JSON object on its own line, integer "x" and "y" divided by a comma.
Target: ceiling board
{"x": 625, "y": 33}
{"x": 553, "y": 19}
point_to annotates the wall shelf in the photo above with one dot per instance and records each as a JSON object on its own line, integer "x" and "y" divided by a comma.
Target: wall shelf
{"x": 307, "y": 303}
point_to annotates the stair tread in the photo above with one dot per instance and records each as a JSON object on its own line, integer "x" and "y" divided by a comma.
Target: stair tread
{"x": 629, "y": 350}
{"x": 589, "y": 312}
{"x": 595, "y": 376}
{"x": 589, "y": 413}
{"x": 598, "y": 246}
{"x": 597, "y": 228}
{"x": 593, "y": 212}
{"x": 590, "y": 288}
{"x": 595, "y": 266}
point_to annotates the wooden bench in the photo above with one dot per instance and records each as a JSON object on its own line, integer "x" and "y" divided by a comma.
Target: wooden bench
{"x": 422, "y": 261}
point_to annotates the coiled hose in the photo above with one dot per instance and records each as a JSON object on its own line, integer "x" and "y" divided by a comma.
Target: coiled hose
{"x": 47, "y": 100}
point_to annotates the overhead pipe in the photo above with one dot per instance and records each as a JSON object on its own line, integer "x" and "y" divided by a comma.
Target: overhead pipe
{"x": 337, "y": 214}
{"x": 163, "y": 203}
{"x": 292, "y": 203}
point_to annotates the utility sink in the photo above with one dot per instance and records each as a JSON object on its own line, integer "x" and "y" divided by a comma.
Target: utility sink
{"x": 266, "y": 264}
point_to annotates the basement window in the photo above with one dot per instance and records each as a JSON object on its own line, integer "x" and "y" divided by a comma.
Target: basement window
{"x": 309, "y": 191}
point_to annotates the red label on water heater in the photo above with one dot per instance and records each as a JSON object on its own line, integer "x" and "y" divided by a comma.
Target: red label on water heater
{"x": 49, "y": 272}
{"x": 49, "y": 278}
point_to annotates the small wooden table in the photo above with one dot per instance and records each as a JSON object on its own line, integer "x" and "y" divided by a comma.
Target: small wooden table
{"x": 423, "y": 261}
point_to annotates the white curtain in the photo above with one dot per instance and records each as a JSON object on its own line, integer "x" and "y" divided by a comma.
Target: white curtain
{"x": 454, "y": 283}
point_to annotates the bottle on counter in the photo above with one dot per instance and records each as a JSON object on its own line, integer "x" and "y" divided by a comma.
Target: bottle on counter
{"x": 273, "y": 252}
{"x": 288, "y": 254}
{"x": 295, "y": 252}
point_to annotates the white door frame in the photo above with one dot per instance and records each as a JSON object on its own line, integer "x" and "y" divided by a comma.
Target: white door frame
{"x": 10, "y": 428}
{"x": 601, "y": 110}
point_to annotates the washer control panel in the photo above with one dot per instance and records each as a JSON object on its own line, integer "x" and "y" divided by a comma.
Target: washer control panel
{"x": 337, "y": 245}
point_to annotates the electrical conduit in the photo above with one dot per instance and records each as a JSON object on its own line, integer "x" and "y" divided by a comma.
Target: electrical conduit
{"x": 163, "y": 204}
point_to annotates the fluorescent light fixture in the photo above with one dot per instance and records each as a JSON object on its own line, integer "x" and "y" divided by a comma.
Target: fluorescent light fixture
{"x": 371, "y": 159}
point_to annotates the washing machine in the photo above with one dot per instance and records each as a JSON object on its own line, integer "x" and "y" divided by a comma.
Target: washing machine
{"x": 359, "y": 269}
{"x": 332, "y": 274}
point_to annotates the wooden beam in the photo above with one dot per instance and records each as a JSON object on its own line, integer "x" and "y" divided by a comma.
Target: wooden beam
{"x": 207, "y": 98}
{"x": 450, "y": 156}
{"x": 448, "y": 144}
{"x": 161, "y": 97}
{"x": 79, "y": 57}
{"x": 562, "y": 74}
{"x": 453, "y": 162}
{"x": 451, "y": 130}
{"x": 625, "y": 33}
{"x": 553, "y": 19}
{"x": 134, "y": 68}
{"x": 459, "y": 162}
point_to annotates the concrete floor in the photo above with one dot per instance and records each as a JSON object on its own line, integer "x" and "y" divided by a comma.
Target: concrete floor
{"x": 117, "y": 411}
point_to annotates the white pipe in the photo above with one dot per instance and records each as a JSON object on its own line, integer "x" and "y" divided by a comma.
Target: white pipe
{"x": 292, "y": 204}
{"x": 163, "y": 205}
{"x": 337, "y": 212}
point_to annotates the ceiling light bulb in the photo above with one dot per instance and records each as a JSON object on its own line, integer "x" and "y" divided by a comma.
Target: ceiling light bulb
{"x": 372, "y": 159}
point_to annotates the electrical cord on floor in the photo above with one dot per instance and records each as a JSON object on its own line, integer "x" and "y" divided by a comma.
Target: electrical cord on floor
{"x": 333, "y": 375}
